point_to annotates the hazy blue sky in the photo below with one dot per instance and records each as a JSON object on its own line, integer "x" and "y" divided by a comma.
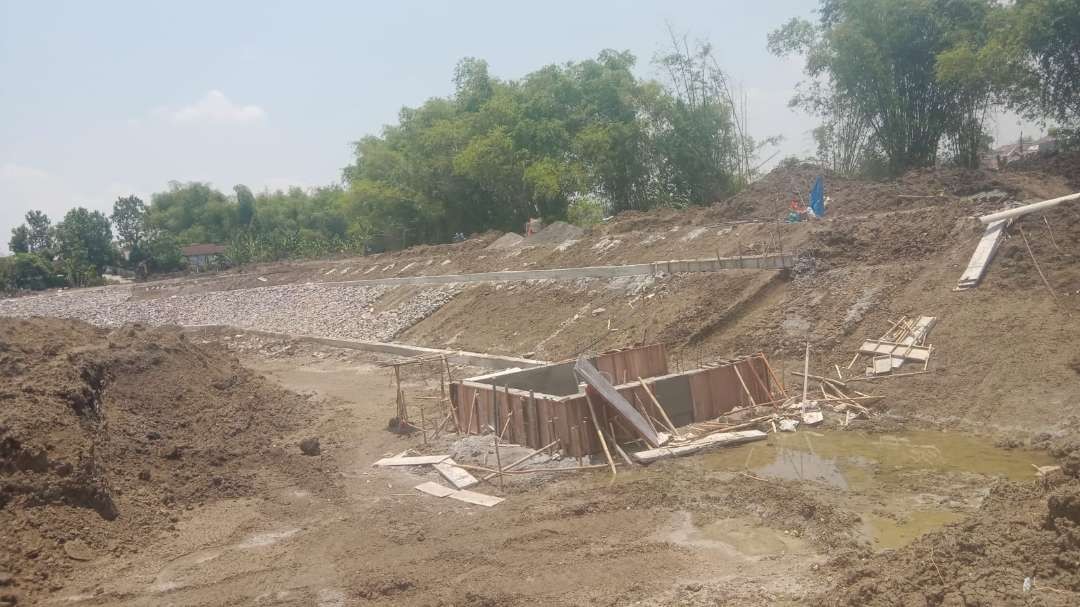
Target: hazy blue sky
{"x": 102, "y": 99}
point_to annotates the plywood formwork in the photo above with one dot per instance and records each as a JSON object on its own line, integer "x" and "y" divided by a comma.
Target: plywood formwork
{"x": 537, "y": 418}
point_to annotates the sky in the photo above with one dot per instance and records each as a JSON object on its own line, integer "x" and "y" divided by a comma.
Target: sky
{"x": 109, "y": 98}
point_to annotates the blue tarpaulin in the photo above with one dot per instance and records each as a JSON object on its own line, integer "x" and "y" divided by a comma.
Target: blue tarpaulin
{"x": 817, "y": 197}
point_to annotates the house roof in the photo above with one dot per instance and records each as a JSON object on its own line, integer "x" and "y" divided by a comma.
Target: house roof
{"x": 202, "y": 249}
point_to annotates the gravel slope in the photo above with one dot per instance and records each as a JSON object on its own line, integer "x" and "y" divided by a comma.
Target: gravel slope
{"x": 338, "y": 311}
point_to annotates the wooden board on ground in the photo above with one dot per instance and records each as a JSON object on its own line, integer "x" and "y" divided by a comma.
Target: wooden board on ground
{"x": 720, "y": 439}
{"x": 458, "y": 477}
{"x": 414, "y": 460}
{"x": 883, "y": 364}
{"x": 910, "y": 352}
{"x": 983, "y": 255}
{"x": 435, "y": 489}
{"x": 472, "y": 497}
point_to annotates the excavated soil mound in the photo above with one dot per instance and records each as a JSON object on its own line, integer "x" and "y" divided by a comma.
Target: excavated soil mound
{"x": 508, "y": 240}
{"x": 555, "y": 234}
{"x": 1020, "y": 533}
{"x": 104, "y": 434}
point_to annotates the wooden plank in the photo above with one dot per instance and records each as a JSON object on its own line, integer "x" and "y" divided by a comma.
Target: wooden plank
{"x": 607, "y": 392}
{"x": 659, "y": 408}
{"x": 910, "y": 352}
{"x": 458, "y": 477}
{"x": 417, "y": 460}
{"x": 435, "y": 489}
{"x": 517, "y": 421}
{"x": 600, "y": 433}
{"x": 983, "y": 255}
{"x": 699, "y": 396}
{"x": 532, "y": 423}
{"x": 472, "y": 497}
{"x": 882, "y": 364}
{"x": 720, "y": 439}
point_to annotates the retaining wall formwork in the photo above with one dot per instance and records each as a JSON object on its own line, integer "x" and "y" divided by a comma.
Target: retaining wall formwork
{"x": 545, "y": 404}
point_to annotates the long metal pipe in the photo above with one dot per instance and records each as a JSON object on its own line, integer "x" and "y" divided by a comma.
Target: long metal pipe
{"x": 1024, "y": 210}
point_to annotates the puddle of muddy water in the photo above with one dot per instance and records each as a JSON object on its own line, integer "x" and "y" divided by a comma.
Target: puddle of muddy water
{"x": 865, "y": 463}
{"x": 888, "y": 533}
{"x": 859, "y": 460}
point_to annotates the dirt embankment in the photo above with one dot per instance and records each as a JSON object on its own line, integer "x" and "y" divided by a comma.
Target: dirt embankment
{"x": 1021, "y": 548}
{"x": 104, "y": 436}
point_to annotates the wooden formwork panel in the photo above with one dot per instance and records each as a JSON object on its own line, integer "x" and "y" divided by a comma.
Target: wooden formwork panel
{"x": 539, "y": 419}
{"x": 624, "y": 366}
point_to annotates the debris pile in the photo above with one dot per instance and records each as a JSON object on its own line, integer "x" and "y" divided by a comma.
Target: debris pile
{"x": 904, "y": 341}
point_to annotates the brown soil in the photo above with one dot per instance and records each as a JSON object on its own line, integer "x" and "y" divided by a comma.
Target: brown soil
{"x": 105, "y": 437}
{"x": 1019, "y": 533}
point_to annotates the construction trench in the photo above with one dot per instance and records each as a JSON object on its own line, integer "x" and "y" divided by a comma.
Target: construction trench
{"x": 653, "y": 437}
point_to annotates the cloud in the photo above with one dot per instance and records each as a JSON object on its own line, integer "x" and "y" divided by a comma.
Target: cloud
{"x": 213, "y": 108}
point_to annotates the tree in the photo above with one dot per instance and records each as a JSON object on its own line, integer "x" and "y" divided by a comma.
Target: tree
{"x": 20, "y": 240}
{"x": 245, "y": 206}
{"x": 84, "y": 240}
{"x": 40, "y": 236}
{"x": 129, "y": 217}
{"x": 915, "y": 71}
{"x": 26, "y": 271}
{"x": 585, "y": 211}
{"x": 1040, "y": 37}
{"x": 194, "y": 213}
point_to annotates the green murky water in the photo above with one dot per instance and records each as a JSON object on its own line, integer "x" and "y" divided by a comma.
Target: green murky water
{"x": 885, "y": 465}
{"x": 860, "y": 461}
{"x": 889, "y": 533}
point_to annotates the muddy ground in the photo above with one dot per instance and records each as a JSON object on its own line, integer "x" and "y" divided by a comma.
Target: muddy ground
{"x": 817, "y": 517}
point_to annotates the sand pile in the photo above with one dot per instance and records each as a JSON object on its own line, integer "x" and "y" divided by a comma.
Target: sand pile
{"x": 508, "y": 240}
{"x": 555, "y": 234}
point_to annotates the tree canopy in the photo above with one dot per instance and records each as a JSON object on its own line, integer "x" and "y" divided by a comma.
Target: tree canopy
{"x": 499, "y": 152}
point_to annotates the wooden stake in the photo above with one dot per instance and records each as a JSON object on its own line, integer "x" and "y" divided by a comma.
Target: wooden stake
{"x": 853, "y": 359}
{"x": 783, "y": 389}
{"x": 498, "y": 461}
{"x": 757, "y": 377}
{"x": 806, "y": 372}
{"x": 472, "y": 407}
{"x": 743, "y": 384}
{"x": 423, "y": 423}
{"x": 520, "y": 460}
{"x": 600, "y": 434}
{"x": 644, "y": 412}
{"x": 1051, "y": 230}
{"x": 663, "y": 414}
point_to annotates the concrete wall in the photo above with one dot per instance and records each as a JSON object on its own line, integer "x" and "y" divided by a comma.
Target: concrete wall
{"x": 673, "y": 393}
{"x": 556, "y": 380}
